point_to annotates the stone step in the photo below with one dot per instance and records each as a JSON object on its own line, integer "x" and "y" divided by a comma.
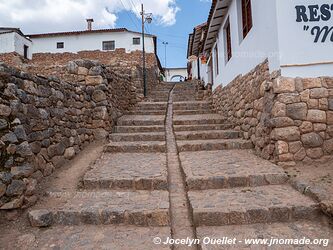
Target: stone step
{"x": 208, "y": 145}
{"x": 138, "y": 129}
{"x": 147, "y": 136}
{"x": 192, "y": 105}
{"x": 141, "y": 120}
{"x": 135, "y": 147}
{"x": 198, "y": 119}
{"x": 151, "y": 105}
{"x": 229, "y": 169}
{"x": 266, "y": 204}
{"x": 207, "y": 135}
{"x": 135, "y": 171}
{"x": 202, "y": 127}
{"x": 115, "y": 237}
{"x": 141, "y": 208}
{"x": 146, "y": 112}
{"x": 262, "y": 232}
{"x": 193, "y": 112}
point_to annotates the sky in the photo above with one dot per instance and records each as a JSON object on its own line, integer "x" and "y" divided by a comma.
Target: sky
{"x": 173, "y": 20}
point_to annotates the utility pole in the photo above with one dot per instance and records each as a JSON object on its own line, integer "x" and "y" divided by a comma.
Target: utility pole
{"x": 165, "y": 53}
{"x": 145, "y": 17}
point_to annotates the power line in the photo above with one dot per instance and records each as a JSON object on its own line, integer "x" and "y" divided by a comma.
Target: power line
{"x": 135, "y": 24}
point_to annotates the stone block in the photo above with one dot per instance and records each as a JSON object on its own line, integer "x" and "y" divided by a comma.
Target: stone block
{"x": 15, "y": 188}
{"x": 40, "y": 218}
{"x": 286, "y": 134}
{"x": 94, "y": 80}
{"x": 315, "y": 115}
{"x": 314, "y": 153}
{"x": 312, "y": 140}
{"x": 284, "y": 85}
{"x": 328, "y": 146}
{"x": 297, "y": 111}
{"x": 330, "y": 117}
{"x": 310, "y": 83}
{"x": 82, "y": 71}
{"x": 5, "y": 110}
{"x": 22, "y": 171}
{"x": 306, "y": 127}
{"x": 318, "y": 93}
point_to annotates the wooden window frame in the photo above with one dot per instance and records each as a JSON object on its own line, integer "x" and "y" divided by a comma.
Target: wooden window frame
{"x": 216, "y": 51}
{"x": 136, "y": 39}
{"x": 246, "y": 17}
{"x": 228, "y": 47}
{"x": 60, "y": 45}
{"x": 109, "y": 45}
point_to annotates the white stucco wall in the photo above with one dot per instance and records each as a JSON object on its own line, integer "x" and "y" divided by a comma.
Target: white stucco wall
{"x": 300, "y": 54}
{"x": 19, "y": 45}
{"x": 260, "y": 43}
{"x": 90, "y": 41}
{"x": 13, "y": 42}
{"x": 203, "y": 71}
{"x": 170, "y": 72}
{"x": 7, "y": 42}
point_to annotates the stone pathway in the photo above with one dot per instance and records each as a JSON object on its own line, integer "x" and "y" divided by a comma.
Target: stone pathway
{"x": 174, "y": 168}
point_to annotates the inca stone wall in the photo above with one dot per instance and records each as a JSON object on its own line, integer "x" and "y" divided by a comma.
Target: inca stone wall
{"x": 46, "y": 64}
{"x": 287, "y": 119}
{"x": 46, "y": 121}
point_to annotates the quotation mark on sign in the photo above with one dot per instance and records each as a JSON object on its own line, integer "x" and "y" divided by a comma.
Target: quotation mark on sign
{"x": 306, "y": 27}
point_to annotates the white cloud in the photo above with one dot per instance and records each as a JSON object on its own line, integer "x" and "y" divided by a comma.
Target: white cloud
{"x": 35, "y": 16}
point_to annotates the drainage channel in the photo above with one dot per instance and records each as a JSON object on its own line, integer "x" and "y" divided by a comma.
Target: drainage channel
{"x": 181, "y": 217}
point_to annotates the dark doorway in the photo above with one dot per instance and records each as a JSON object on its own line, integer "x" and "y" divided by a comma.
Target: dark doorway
{"x": 26, "y": 48}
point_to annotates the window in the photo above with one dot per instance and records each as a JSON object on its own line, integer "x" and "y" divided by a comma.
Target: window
{"x": 136, "y": 40}
{"x": 60, "y": 45}
{"x": 109, "y": 45}
{"x": 246, "y": 17}
{"x": 227, "y": 36}
{"x": 216, "y": 50}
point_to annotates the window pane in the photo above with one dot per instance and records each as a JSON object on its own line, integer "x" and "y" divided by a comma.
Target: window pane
{"x": 60, "y": 45}
{"x": 109, "y": 45}
{"x": 136, "y": 40}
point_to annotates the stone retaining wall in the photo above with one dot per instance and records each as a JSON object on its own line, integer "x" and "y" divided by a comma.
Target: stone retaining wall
{"x": 46, "y": 121}
{"x": 287, "y": 119}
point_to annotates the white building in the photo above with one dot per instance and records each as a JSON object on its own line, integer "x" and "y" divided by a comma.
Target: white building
{"x": 13, "y": 40}
{"x": 295, "y": 36}
{"x": 175, "y": 74}
{"x": 197, "y": 65}
{"x": 102, "y": 39}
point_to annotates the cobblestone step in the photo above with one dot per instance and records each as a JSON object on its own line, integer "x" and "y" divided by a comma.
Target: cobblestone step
{"x": 229, "y": 169}
{"x": 208, "y": 134}
{"x": 136, "y": 171}
{"x": 198, "y": 119}
{"x": 148, "y": 136}
{"x": 193, "y": 112}
{"x": 141, "y": 208}
{"x": 151, "y": 105}
{"x": 192, "y": 105}
{"x": 202, "y": 127}
{"x": 267, "y": 204}
{"x": 219, "y": 144}
{"x": 291, "y": 230}
{"x": 115, "y": 237}
{"x": 138, "y": 129}
{"x": 141, "y": 120}
{"x": 135, "y": 147}
{"x": 146, "y": 112}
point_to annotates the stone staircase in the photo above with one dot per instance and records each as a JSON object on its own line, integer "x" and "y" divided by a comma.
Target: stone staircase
{"x": 142, "y": 186}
